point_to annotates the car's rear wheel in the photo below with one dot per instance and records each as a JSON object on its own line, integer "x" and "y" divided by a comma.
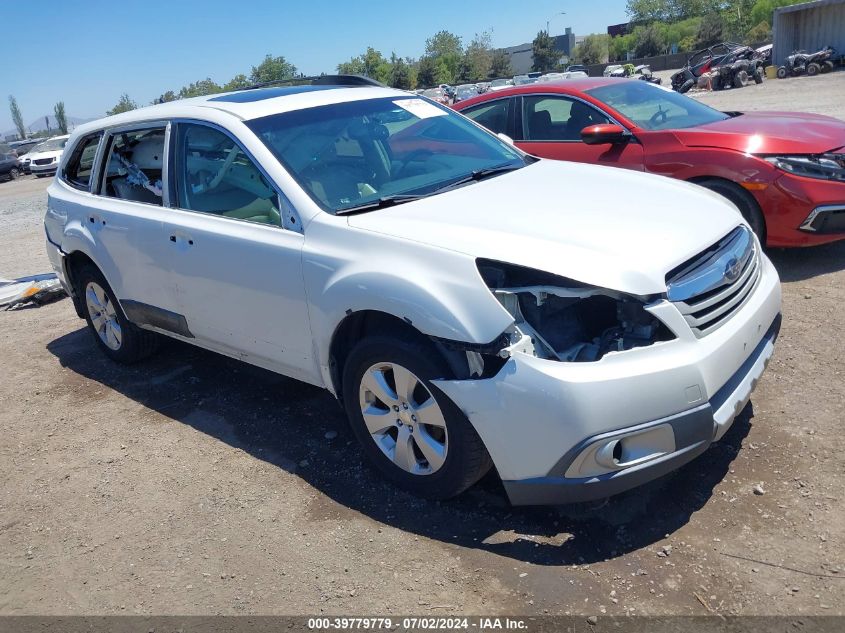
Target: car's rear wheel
{"x": 409, "y": 430}
{"x": 14, "y": 174}
{"x": 782, "y": 73}
{"x": 119, "y": 339}
{"x": 743, "y": 200}
{"x": 813, "y": 69}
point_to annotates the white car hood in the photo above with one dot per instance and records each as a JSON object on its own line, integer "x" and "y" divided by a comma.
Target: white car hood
{"x": 608, "y": 227}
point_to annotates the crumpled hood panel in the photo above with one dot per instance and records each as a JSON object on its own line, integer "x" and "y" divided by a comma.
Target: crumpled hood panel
{"x": 769, "y": 133}
{"x": 604, "y": 226}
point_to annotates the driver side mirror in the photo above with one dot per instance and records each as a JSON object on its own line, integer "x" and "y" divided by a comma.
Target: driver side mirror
{"x": 604, "y": 133}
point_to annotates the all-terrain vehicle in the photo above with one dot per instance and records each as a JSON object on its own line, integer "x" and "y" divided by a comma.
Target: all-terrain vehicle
{"x": 738, "y": 69}
{"x": 801, "y": 62}
{"x": 701, "y": 62}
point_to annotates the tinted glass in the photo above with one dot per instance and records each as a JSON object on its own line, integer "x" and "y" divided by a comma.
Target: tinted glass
{"x": 81, "y": 164}
{"x": 492, "y": 115}
{"x": 557, "y": 118}
{"x": 348, "y": 154}
{"x": 216, "y": 176}
{"x": 653, "y": 108}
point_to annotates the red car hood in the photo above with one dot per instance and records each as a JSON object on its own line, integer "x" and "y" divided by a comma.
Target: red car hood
{"x": 769, "y": 133}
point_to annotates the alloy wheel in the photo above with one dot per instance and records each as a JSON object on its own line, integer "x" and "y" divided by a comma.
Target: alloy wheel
{"x": 403, "y": 418}
{"x": 103, "y": 316}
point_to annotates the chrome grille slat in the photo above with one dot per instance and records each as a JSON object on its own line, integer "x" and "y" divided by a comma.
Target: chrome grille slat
{"x": 750, "y": 269}
{"x": 703, "y": 291}
{"x": 713, "y": 315}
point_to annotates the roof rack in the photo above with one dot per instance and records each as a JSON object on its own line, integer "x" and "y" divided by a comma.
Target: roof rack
{"x": 349, "y": 81}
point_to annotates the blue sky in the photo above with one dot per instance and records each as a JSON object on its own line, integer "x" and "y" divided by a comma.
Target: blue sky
{"x": 88, "y": 52}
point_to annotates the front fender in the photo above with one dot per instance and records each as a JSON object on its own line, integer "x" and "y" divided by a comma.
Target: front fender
{"x": 440, "y": 293}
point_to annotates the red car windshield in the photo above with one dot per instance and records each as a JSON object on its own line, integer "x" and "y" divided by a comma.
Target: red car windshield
{"x": 653, "y": 108}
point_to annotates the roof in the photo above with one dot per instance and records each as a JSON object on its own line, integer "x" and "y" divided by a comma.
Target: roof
{"x": 246, "y": 105}
{"x": 804, "y": 6}
{"x": 559, "y": 85}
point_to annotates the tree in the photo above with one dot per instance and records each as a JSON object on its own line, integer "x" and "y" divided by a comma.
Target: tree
{"x": 595, "y": 49}
{"x": 17, "y": 117}
{"x": 199, "y": 89}
{"x": 400, "y": 74}
{"x": 500, "y": 65}
{"x": 649, "y": 40}
{"x": 371, "y": 64}
{"x": 478, "y": 58}
{"x": 238, "y": 82}
{"x": 763, "y": 10}
{"x": 272, "y": 69}
{"x": 61, "y": 118}
{"x": 426, "y": 72}
{"x": 620, "y": 46}
{"x": 759, "y": 34}
{"x": 546, "y": 56}
{"x": 124, "y": 104}
{"x": 167, "y": 96}
{"x": 710, "y": 31}
{"x": 446, "y": 51}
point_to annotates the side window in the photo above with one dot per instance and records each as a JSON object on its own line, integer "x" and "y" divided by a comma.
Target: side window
{"x": 216, "y": 176}
{"x": 493, "y": 116}
{"x": 557, "y": 118}
{"x": 81, "y": 163}
{"x": 134, "y": 166}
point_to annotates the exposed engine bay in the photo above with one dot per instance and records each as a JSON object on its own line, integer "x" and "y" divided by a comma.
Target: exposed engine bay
{"x": 560, "y": 319}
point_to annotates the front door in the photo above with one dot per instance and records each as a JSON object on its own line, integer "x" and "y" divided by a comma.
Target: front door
{"x": 550, "y": 127}
{"x": 237, "y": 270}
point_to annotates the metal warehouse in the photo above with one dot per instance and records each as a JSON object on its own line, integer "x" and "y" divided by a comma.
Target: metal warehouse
{"x": 809, "y": 26}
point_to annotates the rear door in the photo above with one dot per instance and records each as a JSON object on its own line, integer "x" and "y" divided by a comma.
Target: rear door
{"x": 497, "y": 115}
{"x": 550, "y": 126}
{"x": 235, "y": 251}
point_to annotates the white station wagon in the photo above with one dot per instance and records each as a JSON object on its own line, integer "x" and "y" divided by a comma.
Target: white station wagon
{"x": 582, "y": 329}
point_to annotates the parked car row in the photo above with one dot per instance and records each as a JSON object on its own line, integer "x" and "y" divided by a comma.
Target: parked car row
{"x": 449, "y": 95}
{"x": 582, "y": 330}
{"x": 39, "y": 157}
{"x": 785, "y": 172}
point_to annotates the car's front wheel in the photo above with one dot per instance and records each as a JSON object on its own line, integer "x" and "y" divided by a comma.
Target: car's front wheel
{"x": 410, "y": 431}
{"x": 743, "y": 200}
{"x": 14, "y": 174}
{"x": 119, "y": 339}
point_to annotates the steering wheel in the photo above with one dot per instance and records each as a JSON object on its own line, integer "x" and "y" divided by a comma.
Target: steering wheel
{"x": 414, "y": 155}
{"x": 659, "y": 118}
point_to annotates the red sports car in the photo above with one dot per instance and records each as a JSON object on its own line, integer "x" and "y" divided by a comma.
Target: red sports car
{"x": 785, "y": 172}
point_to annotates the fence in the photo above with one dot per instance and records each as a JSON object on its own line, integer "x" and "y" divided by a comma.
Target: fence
{"x": 661, "y": 62}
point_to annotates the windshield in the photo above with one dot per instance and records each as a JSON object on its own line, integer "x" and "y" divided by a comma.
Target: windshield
{"x": 346, "y": 155}
{"x": 653, "y": 108}
{"x": 500, "y": 82}
{"x": 50, "y": 145}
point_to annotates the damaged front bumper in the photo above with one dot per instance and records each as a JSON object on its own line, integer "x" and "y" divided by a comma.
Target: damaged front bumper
{"x": 563, "y": 432}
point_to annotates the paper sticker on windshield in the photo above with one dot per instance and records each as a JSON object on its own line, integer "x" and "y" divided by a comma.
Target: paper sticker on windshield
{"x": 420, "y": 108}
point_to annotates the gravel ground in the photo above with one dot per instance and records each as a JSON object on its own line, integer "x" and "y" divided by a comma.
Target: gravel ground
{"x": 194, "y": 484}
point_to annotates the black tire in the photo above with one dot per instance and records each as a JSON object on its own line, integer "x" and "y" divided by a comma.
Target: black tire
{"x": 466, "y": 458}
{"x": 782, "y": 73}
{"x": 14, "y": 174}
{"x": 743, "y": 200}
{"x": 40, "y": 175}
{"x": 759, "y": 76}
{"x": 741, "y": 79}
{"x": 136, "y": 344}
{"x": 813, "y": 69}
{"x": 689, "y": 83}
{"x": 827, "y": 67}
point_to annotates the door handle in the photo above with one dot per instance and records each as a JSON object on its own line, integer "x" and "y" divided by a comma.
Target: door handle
{"x": 172, "y": 238}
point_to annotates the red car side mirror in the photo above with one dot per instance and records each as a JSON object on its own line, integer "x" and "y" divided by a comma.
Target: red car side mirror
{"x": 604, "y": 133}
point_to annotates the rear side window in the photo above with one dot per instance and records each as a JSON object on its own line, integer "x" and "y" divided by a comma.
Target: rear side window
{"x": 81, "y": 164}
{"x": 134, "y": 166}
{"x": 493, "y": 116}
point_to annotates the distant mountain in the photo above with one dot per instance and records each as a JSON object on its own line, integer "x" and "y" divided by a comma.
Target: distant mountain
{"x": 41, "y": 124}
